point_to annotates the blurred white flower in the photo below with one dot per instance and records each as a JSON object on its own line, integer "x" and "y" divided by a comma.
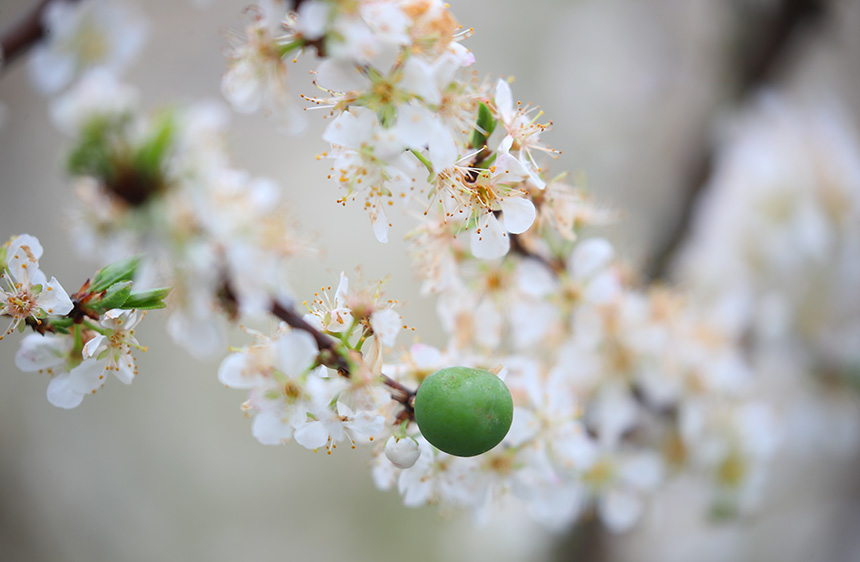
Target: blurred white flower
{"x": 84, "y": 35}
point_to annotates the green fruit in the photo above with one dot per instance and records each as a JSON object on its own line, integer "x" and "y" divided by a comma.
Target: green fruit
{"x": 463, "y": 411}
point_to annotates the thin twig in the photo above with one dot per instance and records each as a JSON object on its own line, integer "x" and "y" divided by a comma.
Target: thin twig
{"x": 330, "y": 356}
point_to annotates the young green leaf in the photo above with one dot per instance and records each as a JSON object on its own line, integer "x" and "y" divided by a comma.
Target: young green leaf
{"x": 116, "y": 272}
{"x": 147, "y": 300}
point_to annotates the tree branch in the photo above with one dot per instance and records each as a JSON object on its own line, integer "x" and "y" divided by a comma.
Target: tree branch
{"x": 330, "y": 356}
{"x": 757, "y": 65}
{"x": 17, "y": 40}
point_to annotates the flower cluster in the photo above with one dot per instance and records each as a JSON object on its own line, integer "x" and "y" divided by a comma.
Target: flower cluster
{"x": 78, "y": 340}
{"x": 616, "y": 386}
{"x": 776, "y": 241}
{"x": 319, "y": 397}
{"x": 85, "y": 35}
{"x": 162, "y": 185}
{"x": 28, "y": 295}
{"x": 404, "y": 122}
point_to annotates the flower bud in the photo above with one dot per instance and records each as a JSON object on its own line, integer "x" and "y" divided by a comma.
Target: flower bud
{"x": 403, "y": 452}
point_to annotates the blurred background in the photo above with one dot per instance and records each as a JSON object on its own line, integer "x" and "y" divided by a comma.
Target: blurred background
{"x": 167, "y": 468}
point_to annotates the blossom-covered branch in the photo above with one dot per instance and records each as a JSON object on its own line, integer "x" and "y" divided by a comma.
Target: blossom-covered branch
{"x": 78, "y": 340}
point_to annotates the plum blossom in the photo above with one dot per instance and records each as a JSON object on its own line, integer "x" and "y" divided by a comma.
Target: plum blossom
{"x": 84, "y": 35}
{"x": 28, "y": 293}
{"x": 257, "y": 76}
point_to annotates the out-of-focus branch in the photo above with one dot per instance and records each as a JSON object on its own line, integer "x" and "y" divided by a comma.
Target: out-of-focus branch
{"x": 18, "y": 39}
{"x": 758, "y": 64}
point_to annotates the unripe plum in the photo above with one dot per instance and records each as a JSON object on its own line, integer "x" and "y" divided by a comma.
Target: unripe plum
{"x": 463, "y": 411}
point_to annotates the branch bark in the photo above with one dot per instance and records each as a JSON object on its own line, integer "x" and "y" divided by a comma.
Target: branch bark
{"x": 18, "y": 39}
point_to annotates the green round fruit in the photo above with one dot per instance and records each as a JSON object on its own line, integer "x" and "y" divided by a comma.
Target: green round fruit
{"x": 463, "y": 411}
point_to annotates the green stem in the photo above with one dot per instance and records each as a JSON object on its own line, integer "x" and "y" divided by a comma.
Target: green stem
{"x": 287, "y": 48}
{"x": 424, "y": 160}
{"x": 93, "y": 327}
{"x": 79, "y": 340}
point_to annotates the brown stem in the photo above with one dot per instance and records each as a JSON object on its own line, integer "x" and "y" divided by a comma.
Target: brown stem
{"x": 331, "y": 357}
{"x": 757, "y": 65}
{"x": 17, "y": 40}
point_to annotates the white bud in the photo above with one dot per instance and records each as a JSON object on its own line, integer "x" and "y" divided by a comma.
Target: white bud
{"x": 402, "y": 452}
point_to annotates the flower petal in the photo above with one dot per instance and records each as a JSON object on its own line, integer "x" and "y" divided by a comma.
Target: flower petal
{"x": 296, "y": 351}
{"x": 39, "y": 352}
{"x": 61, "y": 393}
{"x": 312, "y": 435}
{"x": 518, "y": 214}
{"x": 488, "y": 241}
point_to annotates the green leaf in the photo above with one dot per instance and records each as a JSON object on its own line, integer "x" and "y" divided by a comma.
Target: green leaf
{"x": 147, "y": 300}
{"x": 115, "y": 297}
{"x": 484, "y": 126}
{"x": 116, "y": 272}
{"x": 152, "y": 154}
{"x": 95, "y": 152}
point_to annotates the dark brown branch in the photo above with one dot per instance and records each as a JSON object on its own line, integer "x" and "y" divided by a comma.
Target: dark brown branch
{"x": 758, "y": 65}
{"x": 331, "y": 357}
{"x": 17, "y": 40}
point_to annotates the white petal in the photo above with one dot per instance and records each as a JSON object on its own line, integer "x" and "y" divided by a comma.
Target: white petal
{"x": 386, "y": 325}
{"x": 22, "y": 258}
{"x": 50, "y": 71}
{"x": 643, "y": 471}
{"x": 504, "y": 101}
{"x": 442, "y": 151}
{"x": 619, "y": 510}
{"x": 341, "y": 291}
{"x": 414, "y": 123}
{"x": 88, "y": 376}
{"x": 491, "y": 242}
{"x": 92, "y": 346}
{"x": 418, "y": 79}
{"x": 242, "y": 88}
{"x": 425, "y": 356}
{"x": 340, "y": 75}
{"x": 312, "y": 435}
{"x": 61, "y": 393}
{"x": 352, "y": 129}
{"x": 367, "y": 424}
{"x": 518, "y": 214}
{"x": 313, "y": 19}
{"x": 39, "y": 352}
{"x": 271, "y": 428}
{"x": 589, "y": 256}
{"x": 380, "y": 224}
{"x": 54, "y": 299}
{"x": 125, "y": 370}
{"x": 296, "y": 351}
{"x": 234, "y": 372}
{"x": 535, "y": 279}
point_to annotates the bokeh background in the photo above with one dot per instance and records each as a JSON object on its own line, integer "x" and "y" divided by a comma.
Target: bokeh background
{"x": 167, "y": 469}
